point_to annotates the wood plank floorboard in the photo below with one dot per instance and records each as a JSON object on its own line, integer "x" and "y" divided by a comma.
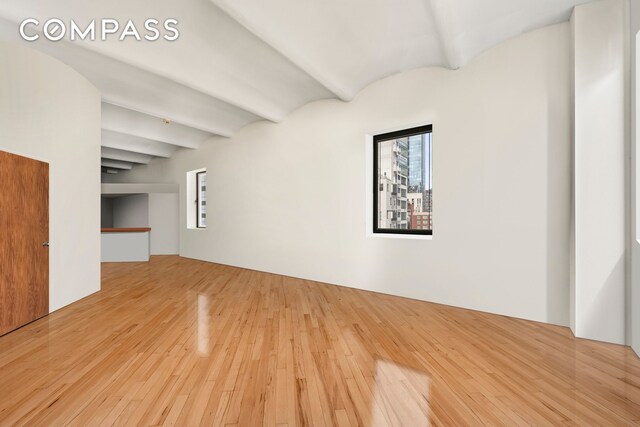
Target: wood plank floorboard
{"x": 182, "y": 342}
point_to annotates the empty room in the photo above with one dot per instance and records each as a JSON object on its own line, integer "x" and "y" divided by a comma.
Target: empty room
{"x": 319, "y": 213}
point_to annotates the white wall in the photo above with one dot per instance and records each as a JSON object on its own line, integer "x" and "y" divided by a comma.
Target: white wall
{"x": 600, "y": 176}
{"x": 131, "y": 211}
{"x": 164, "y": 216}
{"x": 289, "y": 197}
{"x": 51, "y": 113}
{"x": 106, "y": 212}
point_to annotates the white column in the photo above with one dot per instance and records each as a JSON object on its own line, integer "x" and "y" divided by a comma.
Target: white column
{"x": 633, "y": 303}
{"x": 600, "y": 138}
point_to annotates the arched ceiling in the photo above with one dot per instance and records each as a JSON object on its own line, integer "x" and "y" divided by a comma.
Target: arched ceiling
{"x": 240, "y": 61}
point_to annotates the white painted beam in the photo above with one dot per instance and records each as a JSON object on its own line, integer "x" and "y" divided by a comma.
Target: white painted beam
{"x": 125, "y": 156}
{"x": 135, "y": 144}
{"x": 208, "y": 126}
{"x": 336, "y": 88}
{"x": 134, "y": 188}
{"x": 145, "y": 91}
{"x": 443, "y": 17}
{"x": 116, "y": 164}
{"x": 131, "y": 122}
{"x": 102, "y": 64}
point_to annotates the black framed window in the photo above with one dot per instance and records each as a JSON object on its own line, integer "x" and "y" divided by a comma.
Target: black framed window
{"x": 402, "y": 182}
{"x": 201, "y": 199}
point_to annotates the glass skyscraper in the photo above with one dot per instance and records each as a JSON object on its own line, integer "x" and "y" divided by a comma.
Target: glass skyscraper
{"x": 418, "y": 162}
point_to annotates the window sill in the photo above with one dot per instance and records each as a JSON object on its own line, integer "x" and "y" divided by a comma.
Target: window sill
{"x": 401, "y": 236}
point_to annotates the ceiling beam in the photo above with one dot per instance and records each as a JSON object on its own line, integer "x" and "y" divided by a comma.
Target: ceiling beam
{"x": 161, "y": 113}
{"x": 128, "y": 121}
{"x": 125, "y": 156}
{"x": 135, "y": 144}
{"x": 148, "y": 91}
{"x": 116, "y": 164}
{"x": 444, "y": 25}
{"x": 102, "y": 68}
{"x": 340, "y": 91}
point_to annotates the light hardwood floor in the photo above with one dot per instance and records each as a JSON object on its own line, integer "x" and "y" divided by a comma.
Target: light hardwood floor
{"x": 182, "y": 342}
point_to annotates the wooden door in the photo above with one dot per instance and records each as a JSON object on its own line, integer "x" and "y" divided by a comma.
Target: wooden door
{"x": 24, "y": 230}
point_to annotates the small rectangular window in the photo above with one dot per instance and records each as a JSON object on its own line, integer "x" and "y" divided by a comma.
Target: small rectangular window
{"x": 201, "y": 199}
{"x": 403, "y": 161}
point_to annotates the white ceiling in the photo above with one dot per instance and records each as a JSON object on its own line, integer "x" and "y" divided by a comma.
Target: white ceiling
{"x": 240, "y": 61}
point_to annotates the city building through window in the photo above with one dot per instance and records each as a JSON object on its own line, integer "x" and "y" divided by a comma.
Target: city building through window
{"x": 402, "y": 197}
{"x": 201, "y": 202}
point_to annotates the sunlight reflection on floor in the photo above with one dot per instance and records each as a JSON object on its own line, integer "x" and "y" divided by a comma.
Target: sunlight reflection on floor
{"x": 401, "y": 395}
{"x": 203, "y": 324}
